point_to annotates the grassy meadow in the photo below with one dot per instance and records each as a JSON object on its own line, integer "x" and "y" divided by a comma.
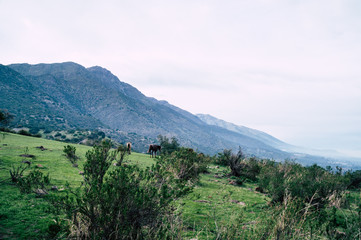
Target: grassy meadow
{"x": 215, "y": 204}
{"x": 25, "y": 216}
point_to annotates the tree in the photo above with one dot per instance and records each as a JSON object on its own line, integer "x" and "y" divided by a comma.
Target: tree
{"x": 168, "y": 145}
{"x": 5, "y": 117}
{"x": 69, "y": 152}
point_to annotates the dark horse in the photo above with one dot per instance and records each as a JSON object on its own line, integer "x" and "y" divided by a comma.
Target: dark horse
{"x": 153, "y": 149}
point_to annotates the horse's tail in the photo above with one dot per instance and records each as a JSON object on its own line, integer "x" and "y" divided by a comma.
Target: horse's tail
{"x": 129, "y": 147}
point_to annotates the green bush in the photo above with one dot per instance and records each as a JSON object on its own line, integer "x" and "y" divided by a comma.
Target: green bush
{"x": 223, "y": 158}
{"x": 34, "y": 130}
{"x": 24, "y": 132}
{"x": 122, "y": 152}
{"x": 312, "y": 184}
{"x": 185, "y": 164}
{"x": 5, "y": 117}
{"x": 16, "y": 173}
{"x": 355, "y": 179}
{"x": 121, "y": 203}
{"x": 168, "y": 145}
{"x": 58, "y": 134}
{"x": 239, "y": 165}
{"x": 69, "y": 152}
{"x": 33, "y": 181}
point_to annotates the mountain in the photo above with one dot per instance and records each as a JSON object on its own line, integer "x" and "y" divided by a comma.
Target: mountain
{"x": 69, "y": 96}
{"x": 32, "y": 105}
{"x": 303, "y": 155}
{"x": 253, "y": 133}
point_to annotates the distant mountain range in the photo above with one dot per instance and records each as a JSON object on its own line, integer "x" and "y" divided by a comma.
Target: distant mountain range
{"x": 69, "y": 96}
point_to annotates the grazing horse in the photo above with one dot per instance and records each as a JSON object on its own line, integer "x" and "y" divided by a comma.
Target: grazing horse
{"x": 129, "y": 147}
{"x": 153, "y": 149}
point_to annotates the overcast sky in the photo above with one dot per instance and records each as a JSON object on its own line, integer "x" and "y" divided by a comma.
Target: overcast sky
{"x": 289, "y": 68}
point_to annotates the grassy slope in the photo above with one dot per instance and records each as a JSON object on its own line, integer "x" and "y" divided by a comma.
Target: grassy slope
{"x": 23, "y": 216}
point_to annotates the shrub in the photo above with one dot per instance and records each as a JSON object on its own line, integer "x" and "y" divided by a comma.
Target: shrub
{"x": 290, "y": 219}
{"x": 34, "y": 130}
{"x": 185, "y": 164}
{"x": 312, "y": 184}
{"x": 121, "y": 203}
{"x": 58, "y": 134}
{"x": 16, "y": 173}
{"x": 34, "y": 180}
{"x": 70, "y": 154}
{"x": 71, "y": 131}
{"x": 122, "y": 152}
{"x": 47, "y": 131}
{"x": 223, "y": 158}
{"x": 5, "y": 117}
{"x": 24, "y": 132}
{"x": 239, "y": 165}
{"x": 355, "y": 179}
{"x": 168, "y": 145}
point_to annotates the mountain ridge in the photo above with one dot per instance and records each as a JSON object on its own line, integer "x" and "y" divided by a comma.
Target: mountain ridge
{"x": 94, "y": 98}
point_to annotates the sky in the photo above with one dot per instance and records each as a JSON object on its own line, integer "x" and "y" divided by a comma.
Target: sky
{"x": 289, "y": 68}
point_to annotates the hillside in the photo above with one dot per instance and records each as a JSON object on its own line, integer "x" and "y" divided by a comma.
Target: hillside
{"x": 39, "y": 104}
{"x": 219, "y": 206}
{"x": 67, "y": 95}
{"x": 252, "y": 133}
{"x": 32, "y": 210}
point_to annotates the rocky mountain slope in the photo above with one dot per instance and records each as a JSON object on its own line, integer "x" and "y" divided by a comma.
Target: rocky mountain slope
{"x": 70, "y": 96}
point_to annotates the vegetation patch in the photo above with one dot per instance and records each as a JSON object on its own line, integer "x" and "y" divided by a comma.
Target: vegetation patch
{"x": 180, "y": 195}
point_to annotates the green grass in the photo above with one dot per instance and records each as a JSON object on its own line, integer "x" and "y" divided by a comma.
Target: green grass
{"x": 23, "y": 216}
{"x": 214, "y": 203}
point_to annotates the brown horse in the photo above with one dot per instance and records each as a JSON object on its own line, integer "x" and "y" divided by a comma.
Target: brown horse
{"x": 129, "y": 147}
{"x": 153, "y": 149}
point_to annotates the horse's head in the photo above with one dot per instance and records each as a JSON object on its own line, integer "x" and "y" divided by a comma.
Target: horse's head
{"x": 150, "y": 148}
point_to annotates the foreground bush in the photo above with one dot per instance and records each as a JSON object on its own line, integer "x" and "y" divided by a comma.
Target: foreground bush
{"x": 312, "y": 184}
{"x": 185, "y": 164}
{"x": 121, "y": 203}
{"x": 239, "y": 165}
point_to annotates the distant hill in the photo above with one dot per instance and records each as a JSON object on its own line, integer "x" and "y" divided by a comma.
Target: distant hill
{"x": 253, "y": 133}
{"x": 70, "y": 96}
